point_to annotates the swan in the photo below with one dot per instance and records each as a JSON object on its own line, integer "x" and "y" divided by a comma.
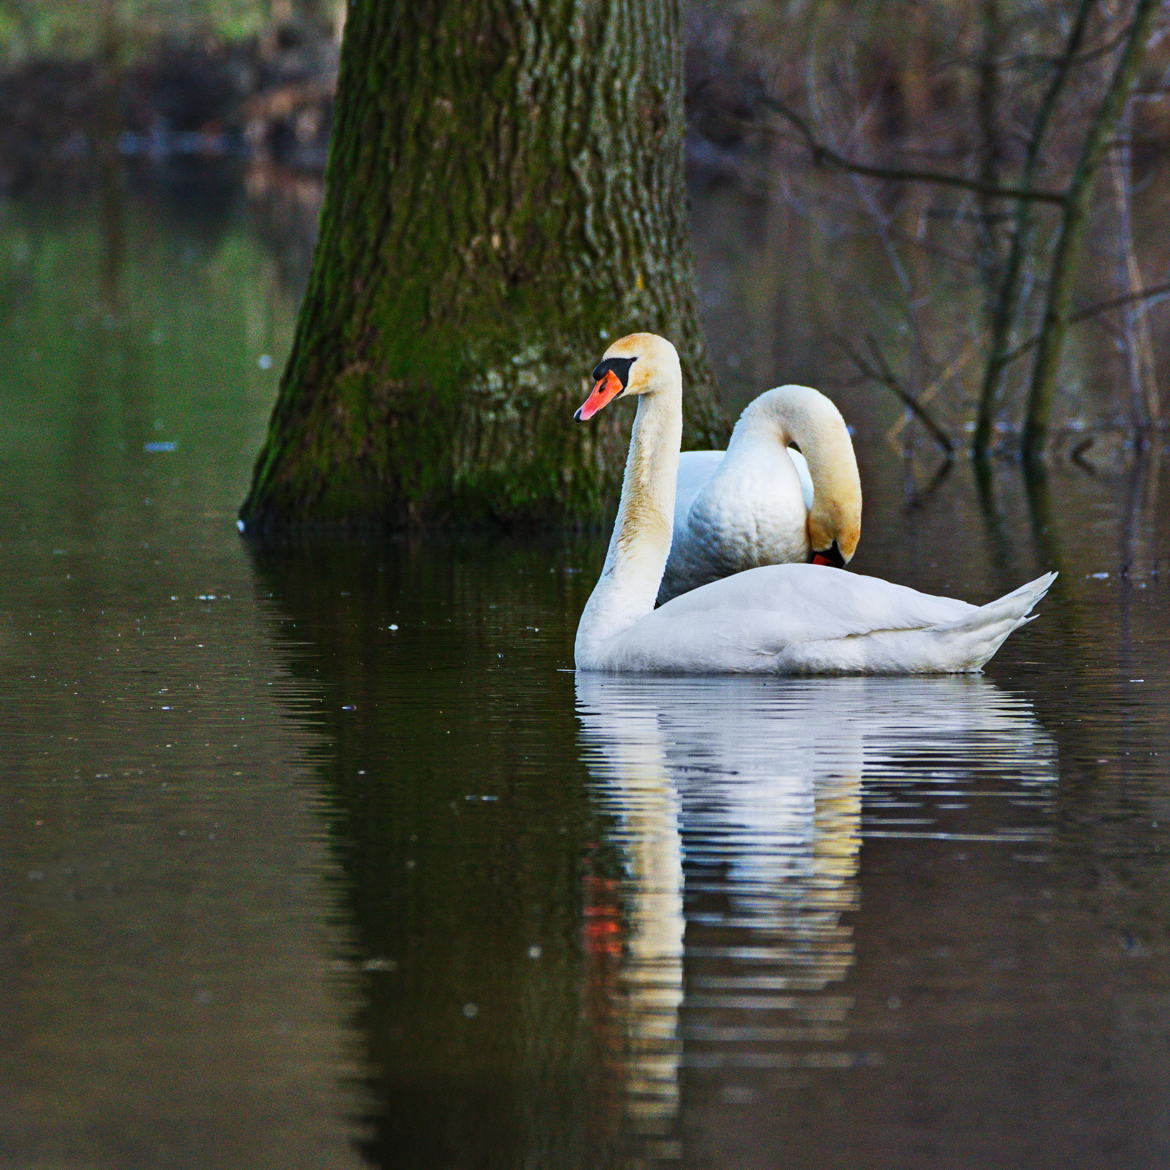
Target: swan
{"x": 774, "y": 619}
{"x": 762, "y": 503}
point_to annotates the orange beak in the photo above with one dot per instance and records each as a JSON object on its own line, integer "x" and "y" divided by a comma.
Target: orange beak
{"x": 831, "y": 556}
{"x": 606, "y": 390}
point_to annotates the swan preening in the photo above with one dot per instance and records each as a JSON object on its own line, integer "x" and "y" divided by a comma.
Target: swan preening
{"x": 775, "y": 619}
{"x": 762, "y": 503}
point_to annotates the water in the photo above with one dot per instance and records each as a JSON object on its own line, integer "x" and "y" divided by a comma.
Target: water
{"x": 322, "y": 856}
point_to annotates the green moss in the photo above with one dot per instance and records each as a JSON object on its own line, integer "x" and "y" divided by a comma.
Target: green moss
{"x": 473, "y": 256}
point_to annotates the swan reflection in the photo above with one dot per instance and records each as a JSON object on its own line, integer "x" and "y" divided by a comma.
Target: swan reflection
{"x": 735, "y": 805}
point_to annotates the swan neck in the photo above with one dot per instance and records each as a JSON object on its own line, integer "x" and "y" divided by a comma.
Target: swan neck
{"x": 804, "y": 416}
{"x": 640, "y": 543}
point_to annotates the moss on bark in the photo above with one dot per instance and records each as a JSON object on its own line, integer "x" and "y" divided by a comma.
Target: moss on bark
{"x": 504, "y": 192}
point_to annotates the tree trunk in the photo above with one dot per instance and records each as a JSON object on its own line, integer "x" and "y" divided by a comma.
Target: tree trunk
{"x": 1072, "y": 232}
{"x": 1006, "y": 309}
{"x": 504, "y": 193}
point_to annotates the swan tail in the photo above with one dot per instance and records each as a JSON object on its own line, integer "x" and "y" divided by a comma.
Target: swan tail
{"x": 959, "y": 646}
{"x": 979, "y": 634}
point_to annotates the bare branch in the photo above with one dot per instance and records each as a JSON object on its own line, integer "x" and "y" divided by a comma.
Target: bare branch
{"x": 1011, "y": 287}
{"x": 825, "y": 155}
{"x": 1094, "y": 310}
{"x": 1031, "y": 61}
{"x": 1073, "y": 226}
{"x": 881, "y": 373}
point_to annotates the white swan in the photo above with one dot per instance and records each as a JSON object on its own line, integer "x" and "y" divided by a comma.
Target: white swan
{"x": 778, "y": 619}
{"x": 762, "y": 503}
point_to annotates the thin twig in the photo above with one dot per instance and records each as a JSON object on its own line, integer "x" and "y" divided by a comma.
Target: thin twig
{"x": 1094, "y": 310}
{"x": 882, "y": 374}
{"x": 823, "y": 153}
{"x": 1030, "y": 61}
{"x": 1137, "y": 343}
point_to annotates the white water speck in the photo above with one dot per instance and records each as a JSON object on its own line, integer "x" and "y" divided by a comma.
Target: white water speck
{"x": 471, "y": 1010}
{"x": 380, "y": 964}
{"x": 264, "y": 361}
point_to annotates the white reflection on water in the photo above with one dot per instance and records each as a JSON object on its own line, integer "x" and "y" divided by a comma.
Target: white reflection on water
{"x": 736, "y": 805}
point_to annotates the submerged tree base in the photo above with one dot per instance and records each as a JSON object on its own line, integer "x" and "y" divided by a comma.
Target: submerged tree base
{"x": 498, "y": 207}
{"x": 466, "y": 443}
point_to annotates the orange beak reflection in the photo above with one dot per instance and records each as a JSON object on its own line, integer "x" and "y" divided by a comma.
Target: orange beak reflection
{"x": 606, "y": 390}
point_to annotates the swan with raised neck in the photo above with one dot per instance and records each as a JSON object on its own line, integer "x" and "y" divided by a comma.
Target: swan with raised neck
{"x": 775, "y": 619}
{"x": 645, "y": 365}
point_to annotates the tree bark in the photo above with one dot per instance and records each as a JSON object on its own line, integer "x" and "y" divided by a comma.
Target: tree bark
{"x": 504, "y": 193}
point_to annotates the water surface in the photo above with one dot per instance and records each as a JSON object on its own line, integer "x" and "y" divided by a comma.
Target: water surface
{"x": 323, "y": 855}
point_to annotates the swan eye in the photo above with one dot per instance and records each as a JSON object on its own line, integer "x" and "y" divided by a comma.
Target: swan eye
{"x": 619, "y": 367}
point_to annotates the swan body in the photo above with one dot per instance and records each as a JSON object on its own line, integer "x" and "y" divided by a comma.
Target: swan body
{"x": 774, "y": 619}
{"x": 761, "y": 502}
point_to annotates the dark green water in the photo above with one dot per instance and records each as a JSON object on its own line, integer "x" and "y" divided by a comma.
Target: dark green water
{"x": 324, "y": 857}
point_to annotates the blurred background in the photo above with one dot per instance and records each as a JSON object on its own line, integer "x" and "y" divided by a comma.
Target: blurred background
{"x": 322, "y": 855}
{"x": 873, "y": 281}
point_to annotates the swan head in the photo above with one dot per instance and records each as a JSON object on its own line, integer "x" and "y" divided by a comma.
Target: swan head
{"x": 639, "y": 363}
{"x": 834, "y": 529}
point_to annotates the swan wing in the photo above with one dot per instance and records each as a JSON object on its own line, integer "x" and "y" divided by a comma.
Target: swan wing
{"x": 810, "y": 619}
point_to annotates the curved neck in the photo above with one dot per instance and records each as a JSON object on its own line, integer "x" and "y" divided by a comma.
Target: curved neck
{"x": 641, "y": 536}
{"x": 804, "y": 416}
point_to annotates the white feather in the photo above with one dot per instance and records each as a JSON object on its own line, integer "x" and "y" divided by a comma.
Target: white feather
{"x": 776, "y": 619}
{"x": 752, "y": 504}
